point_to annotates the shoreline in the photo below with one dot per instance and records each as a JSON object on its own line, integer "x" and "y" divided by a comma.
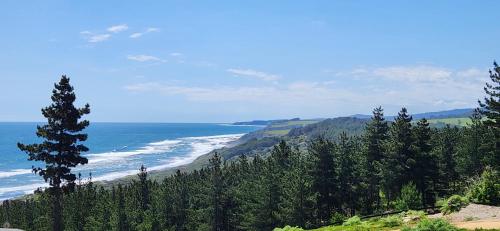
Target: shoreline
{"x": 205, "y": 146}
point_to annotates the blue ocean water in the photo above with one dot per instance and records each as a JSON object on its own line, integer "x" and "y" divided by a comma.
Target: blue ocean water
{"x": 116, "y": 150}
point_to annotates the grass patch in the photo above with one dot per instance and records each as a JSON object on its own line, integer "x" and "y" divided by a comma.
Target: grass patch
{"x": 461, "y": 121}
{"x": 293, "y": 123}
{"x": 281, "y": 132}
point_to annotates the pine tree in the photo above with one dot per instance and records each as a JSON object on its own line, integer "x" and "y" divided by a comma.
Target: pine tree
{"x": 347, "y": 175}
{"x": 425, "y": 171}
{"x": 491, "y": 109}
{"x": 181, "y": 204}
{"x": 144, "y": 187}
{"x": 400, "y": 156}
{"x": 217, "y": 193}
{"x": 472, "y": 150}
{"x": 448, "y": 164}
{"x": 61, "y": 148}
{"x": 375, "y": 139}
{"x": 122, "y": 221}
{"x": 324, "y": 178}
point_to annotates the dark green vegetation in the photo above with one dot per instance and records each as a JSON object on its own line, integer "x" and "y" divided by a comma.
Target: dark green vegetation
{"x": 61, "y": 147}
{"x": 313, "y": 176}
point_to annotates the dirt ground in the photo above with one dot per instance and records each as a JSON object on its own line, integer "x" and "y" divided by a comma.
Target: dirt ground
{"x": 474, "y": 216}
{"x": 485, "y": 224}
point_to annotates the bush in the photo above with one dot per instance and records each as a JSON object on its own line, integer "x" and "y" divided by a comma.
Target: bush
{"x": 413, "y": 215}
{"x": 432, "y": 225}
{"x": 410, "y": 198}
{"x": 487, "y": 189}
{"x": 288, "y": 228}
{"x": 454, "y": 204}
{"x": 392, "y": 221}
{"x": 337, "y": 218}
{"x": 352, "y": 221}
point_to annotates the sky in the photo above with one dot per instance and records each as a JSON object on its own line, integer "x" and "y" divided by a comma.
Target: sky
{"x": 225, "y": 61}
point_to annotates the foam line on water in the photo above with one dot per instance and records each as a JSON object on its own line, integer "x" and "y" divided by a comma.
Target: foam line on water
{"x": 15, "y": 172}
{"x": 23, "y": 188}
{"x": 151, "y": 148}
{"x": 200, "y": 145}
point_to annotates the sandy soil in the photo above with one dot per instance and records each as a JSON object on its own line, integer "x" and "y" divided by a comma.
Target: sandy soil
{"x": 474, "y": 216}
{"x": 485, "y": 224}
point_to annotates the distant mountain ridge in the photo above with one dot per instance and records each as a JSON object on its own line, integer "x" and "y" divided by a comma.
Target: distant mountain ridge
{"x": 454, "y": 113}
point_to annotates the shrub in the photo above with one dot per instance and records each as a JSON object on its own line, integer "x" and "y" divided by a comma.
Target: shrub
{"x": 454, "y": 204}
{"x": 337, "y": 218}
{"x": 413, "y": 215}
{"x": 352, "y": 221}
{"x": 487, "y": 189}
{"x": 410, "y": 198}
{"x": 392, "y": 221}
{"x": 432, "y": 225}
{"x": 288, "y": 228}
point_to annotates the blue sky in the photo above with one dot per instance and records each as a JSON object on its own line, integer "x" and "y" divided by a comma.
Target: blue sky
{"x": 222, "y": 61}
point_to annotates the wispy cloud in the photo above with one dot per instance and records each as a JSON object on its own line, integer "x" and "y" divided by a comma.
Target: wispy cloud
{"x": 118, "y": 28}
{"x": 175, "y": 54}
{"x": 144, "y": 58}
{"x": 93, "y": 37}
{"x": 98, "y": 38}
{"x": 414, "y": 73}
{"x": 254, "y": 74}
{"x": 140, "y": 34}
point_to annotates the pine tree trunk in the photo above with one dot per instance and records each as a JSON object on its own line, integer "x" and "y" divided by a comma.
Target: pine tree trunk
{"x": 57, "y": 221}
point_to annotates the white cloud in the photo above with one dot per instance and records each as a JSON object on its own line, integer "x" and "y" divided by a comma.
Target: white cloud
{"x": 140, "y": 34}
{"x": 152, "y": 29}
{"x": 254, "y": 74}
{"x": 144, "y": 58}
{"x": 472, "y": 72}
{"x": 413, "y": 73}
{"x": 98, "y": 38}
{"x": 420, "y": 88}
{"x": 135, "y": 35}
{"x": 294, "y": 92}
{"x": 175, "y": 54}
{"x": 118, "y": 28}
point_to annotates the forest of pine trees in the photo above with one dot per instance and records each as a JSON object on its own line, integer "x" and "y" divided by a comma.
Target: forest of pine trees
{"x": 351, "y": 175}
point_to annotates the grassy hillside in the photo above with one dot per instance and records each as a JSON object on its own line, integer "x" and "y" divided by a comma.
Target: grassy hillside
{"x": 295, "y": 132}
{"x": 459, "y": 121}
{"x": 261, "y": 141}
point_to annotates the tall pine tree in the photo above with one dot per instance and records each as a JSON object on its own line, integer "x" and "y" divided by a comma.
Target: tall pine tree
{"x": 400, "y": 160}
{"x": 375, "y": 140}
{"x": 324, "y": 178}
{"x": 61, "y": 148}
{"x": 491, "y": 109}
{"x": 425, "y": 171}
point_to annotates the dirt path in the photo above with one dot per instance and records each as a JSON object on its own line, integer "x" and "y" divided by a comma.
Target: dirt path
{"x": 485, "y": 224}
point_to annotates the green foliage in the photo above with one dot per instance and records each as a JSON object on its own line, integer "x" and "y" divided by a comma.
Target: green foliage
{"x": 487, "y": 189}
{"x": 392, "y": 221}
{"x": 454, "y": 204}
{"x": 288, "y": 228}
{"x": 415, "y": 215}
{"x": 490, "y": 107}
{"x": 337, "y": 218}
{"x": 355, "y": 220}
{"x": 410, "y": 198}
{"x": 61, "y": 147}
{"x": 432, "y": 225}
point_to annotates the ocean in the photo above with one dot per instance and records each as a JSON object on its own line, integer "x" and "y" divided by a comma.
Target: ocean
{"x": 116, "y": 150}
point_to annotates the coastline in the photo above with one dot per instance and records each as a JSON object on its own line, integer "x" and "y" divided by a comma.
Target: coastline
{"x": 201, "y": 146}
